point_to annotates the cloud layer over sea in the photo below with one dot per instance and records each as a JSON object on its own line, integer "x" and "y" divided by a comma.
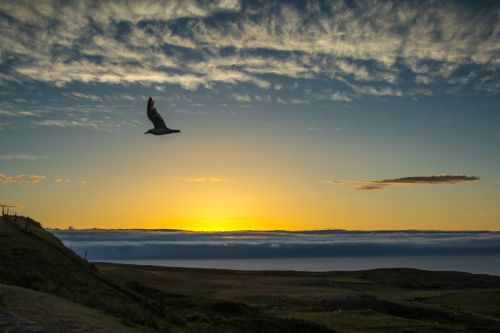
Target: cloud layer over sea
{"x": 108, "y": 245}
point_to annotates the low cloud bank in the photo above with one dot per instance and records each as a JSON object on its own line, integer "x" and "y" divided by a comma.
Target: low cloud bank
{"x": 171, "y": 244}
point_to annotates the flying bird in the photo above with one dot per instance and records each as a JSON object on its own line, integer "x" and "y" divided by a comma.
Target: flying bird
{"x": 158, "y": 122}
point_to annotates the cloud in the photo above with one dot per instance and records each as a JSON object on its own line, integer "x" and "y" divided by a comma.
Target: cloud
{"x": 368, "y": 188}
{"x": 21, "y": 178}
{"x": 29, "y": 157}
{"x": 437, "y": 179}
{"x": 61, "y": 73}
{"x": 241, "y": 97}
{"x": 176, "y": 244}
{"x": 299, "y": 101}
{"x": 208, "y": 180}
{"x": 314, "y": 129}
{"x": 60, "y": 181}
{"x": 340, "y": 97}
{"x": 376, "y": 91}
{"x": 345, "y": 36}
{"x": 75, "y": 42}
{"x": 31, "y": 179}
{"x": 17, "y": 113}
{"x": 441, "y": 179}
{"x": 90, "y": 97}
{"x": 374, "y": 47}
{"x": 101, "y": 125}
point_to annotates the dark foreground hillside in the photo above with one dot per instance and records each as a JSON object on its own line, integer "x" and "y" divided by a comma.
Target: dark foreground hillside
{"x": 46, "y": 287}
{"x": 381, "y": 300}
{"x": 33, "y": 258}
{"x": 73, "y": 296}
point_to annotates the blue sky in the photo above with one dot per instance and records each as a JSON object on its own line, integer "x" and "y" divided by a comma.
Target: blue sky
{"x": 274, "y": 99}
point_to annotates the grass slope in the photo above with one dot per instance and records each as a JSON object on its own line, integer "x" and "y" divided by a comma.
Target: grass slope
{"x": 51, "y": 313}
{"x": 33, "y": 258}
{"x": 383, "y": 300}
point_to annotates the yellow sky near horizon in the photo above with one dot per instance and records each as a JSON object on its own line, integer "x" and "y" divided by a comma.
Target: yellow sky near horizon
{"x": 246, "y": 185}
{"x": 249, "y": 205}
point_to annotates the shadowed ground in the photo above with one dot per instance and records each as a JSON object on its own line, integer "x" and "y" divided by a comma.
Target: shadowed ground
{"x": 44, "y": 284}
{"x": 385, "y": 300}
{"x": 61, "y": 292}
{"x": 49, "y": 313}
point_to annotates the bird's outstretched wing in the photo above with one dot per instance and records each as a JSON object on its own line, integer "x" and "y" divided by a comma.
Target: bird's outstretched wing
{"x": 154, "y": 116}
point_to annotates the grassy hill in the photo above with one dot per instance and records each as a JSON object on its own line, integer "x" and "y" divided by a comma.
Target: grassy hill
{"x": 50, "y": 313}
{"x": 35, "y": 259}
{"x": 32, "y": 258}
{"x": 381, "y": 300}
{"x": 45, "y": 285}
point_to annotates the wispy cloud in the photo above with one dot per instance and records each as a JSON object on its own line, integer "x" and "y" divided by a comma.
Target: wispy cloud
{"x": 8, "y": 113}
{"x": 21, "y": 178}
{"x": 80, "y": 95}
{"x": 60, "y": 181}
{"x": 441, "y": 179}
{"x": 208, "y": 180}
{"x": 376, "y": 91}
{"x": 298, "y": 101}
{"x": 339, "y": 97}
{"x": 29, "y": 157}
{"x": 86, "y": 122}
{"x": 368, "y": 187}
{"x": 241, "y": 97}
{"x": 372, "y": 45}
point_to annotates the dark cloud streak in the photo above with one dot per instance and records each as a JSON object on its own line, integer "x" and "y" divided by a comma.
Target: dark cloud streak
{"x": 442, "y": 179}
{"x": 438, "y": 179}
{"x": 368, "y": 188}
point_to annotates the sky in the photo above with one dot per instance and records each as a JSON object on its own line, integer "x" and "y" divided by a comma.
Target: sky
{"x": 302, "y": 115}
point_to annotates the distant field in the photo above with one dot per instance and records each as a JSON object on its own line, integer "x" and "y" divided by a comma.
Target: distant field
{"x": 393, "y": 300}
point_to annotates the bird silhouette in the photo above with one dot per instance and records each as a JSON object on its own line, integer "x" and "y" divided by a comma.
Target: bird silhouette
{"x": 158, "y": 122}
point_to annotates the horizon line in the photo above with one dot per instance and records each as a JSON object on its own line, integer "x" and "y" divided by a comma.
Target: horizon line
{"x": 69, "y": 228}
{"x": 272, "y": 230}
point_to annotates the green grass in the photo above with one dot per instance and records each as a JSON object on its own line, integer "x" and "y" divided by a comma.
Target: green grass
{"x": 342, "y": 301}
{"x": 486, "y": 302}
{"x": 351, "y": 280}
